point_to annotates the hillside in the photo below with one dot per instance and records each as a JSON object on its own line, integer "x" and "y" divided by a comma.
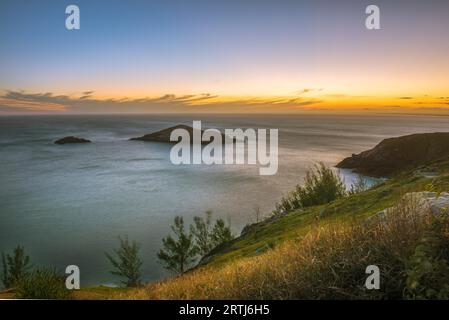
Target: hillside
{"x": 394, "y": 155}
{"x": 277, "y": 258}
{"x": 262, "y": 236}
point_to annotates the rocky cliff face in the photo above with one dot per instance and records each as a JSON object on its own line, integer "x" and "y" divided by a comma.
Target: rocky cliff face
{"x": 395, "y": 155}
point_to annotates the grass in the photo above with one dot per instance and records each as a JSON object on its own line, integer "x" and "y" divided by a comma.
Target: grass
{"x": 327, "y": 263}
{"x": 320, "y": 252}
{"x": 101, "y": 293}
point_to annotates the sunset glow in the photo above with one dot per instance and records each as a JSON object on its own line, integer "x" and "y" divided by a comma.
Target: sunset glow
{"x": 223, "y": 57}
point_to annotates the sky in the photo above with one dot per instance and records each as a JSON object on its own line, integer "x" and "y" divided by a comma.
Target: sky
{"x": 223, "y": 56}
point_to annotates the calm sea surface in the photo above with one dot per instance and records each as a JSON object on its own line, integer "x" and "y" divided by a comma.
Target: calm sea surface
{"x": 68, "y": 204}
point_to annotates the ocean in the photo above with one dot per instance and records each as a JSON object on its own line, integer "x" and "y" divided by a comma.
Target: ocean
{"x": 68, "y": 204}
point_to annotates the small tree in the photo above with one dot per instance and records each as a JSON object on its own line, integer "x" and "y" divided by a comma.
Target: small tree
{"x": 202, "y": 230}
{"x": 177, "y": 254}
{"x": 127, "y": 263}
{"x": 15, "y": 267}
{"x": 207, "y": 237}
{"x": 221, "y": 233}
{"x": 257, "y": 214}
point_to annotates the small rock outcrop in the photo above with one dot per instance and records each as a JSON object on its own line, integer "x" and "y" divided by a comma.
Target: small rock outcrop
{"x": 396, "y": 155}
{"x": 72, "y": 139}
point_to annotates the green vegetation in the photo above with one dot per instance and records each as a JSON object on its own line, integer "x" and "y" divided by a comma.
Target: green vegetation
{"x": 329, "y": 263}
{"x": 177, "y": 254}
{"x": 101, "y": 292}
{"x": 14, "y": 267}
{"x": 221, "y": 233}
{"x": 31, "y": 284}
{"x": 321, "y": 186}
{"x": 271, "y": 232}
{"x": 127, "y": 262}
{"x": 206, "y": 236}
{"x": 201, "y": 230}
{"x": 181, "y": 252}
{"x": 360, "y": 185}
{"x": 42, "y": 284}
{"x": 428, "y": 268}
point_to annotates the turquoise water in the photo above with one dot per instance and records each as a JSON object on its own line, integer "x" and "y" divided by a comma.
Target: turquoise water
{"x": 68, "y": 204}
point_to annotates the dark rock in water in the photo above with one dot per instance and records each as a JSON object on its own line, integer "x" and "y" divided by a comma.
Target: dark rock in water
{"x": 71, "y": 139}
{"x": 395, "y": 155}
{"x": 164, "y": 135}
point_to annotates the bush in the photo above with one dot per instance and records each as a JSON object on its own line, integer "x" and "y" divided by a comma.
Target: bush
{"x": 360, "y": 185}
{"x": 127, "y": 264}
{"x": 15, "y": 267}
{"x": 321, "y": 186}
{"x": 42, "y": 284}
{"x": 428, "y": 268}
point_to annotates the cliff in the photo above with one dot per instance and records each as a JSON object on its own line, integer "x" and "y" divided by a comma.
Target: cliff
{"x": 395, "y": 155}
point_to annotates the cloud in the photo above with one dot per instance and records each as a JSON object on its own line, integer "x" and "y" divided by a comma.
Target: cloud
{"x": 308, "y": 90}
{"x": 405, "y": 98}
{"x": 86, "y": 95}
{"x": 13, "y": 101}
{"x": 18, "y": 100}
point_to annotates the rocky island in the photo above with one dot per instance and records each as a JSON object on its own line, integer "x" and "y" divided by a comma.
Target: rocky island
{"x": 399, "y": 154}
{"x": 164, "y": 135}
{"x": 72, "y": 139}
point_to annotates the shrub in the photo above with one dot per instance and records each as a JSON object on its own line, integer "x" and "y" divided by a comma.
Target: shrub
{"x": 15, "y": 267}
{"x": 428, "y": 268}
{"x": 360, "y": 185}
{"x": 321, "y": 186}
{"x": 42, "y": 284}
{"x": 127, "y": 263}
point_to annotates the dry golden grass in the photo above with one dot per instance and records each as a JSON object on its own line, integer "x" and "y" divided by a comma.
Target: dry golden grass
{"x": 328, "y": 263}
